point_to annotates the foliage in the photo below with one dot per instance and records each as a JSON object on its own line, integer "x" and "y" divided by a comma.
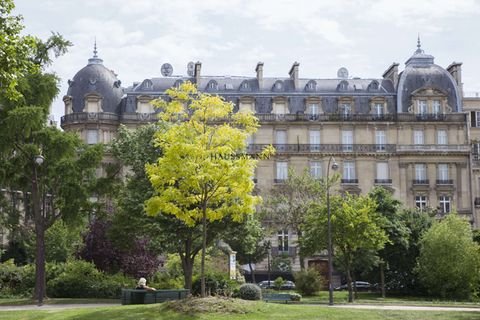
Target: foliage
{"x": 278, "y": 283}
{"x": 307, "y": 282}
{"x": 137, "y": 259}
{"x": 203, "y": 173}
{"x": 80, "y": 279}
{"x": 295, "y": 296}
{"x": 250, "y": 291}
{"x": 282, "y": 263}
{"x": 449, "y": 261}
{"x": 61, "y": 242}
{"x": 216, "y": 284}
{"x": 287, "y": 203}
{"x": 356, "y": 226}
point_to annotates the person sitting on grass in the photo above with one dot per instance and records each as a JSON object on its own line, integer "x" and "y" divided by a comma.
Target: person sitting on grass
{"x": 142, "y": 285}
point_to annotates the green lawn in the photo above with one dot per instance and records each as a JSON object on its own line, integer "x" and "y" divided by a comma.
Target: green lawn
{"x": 245, "y": 310}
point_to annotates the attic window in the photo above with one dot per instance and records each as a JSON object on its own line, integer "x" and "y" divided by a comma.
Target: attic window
{"x": 342, "y": 86}
{"x": 278, "y": 86}
{"x": 373, "y": 86}
{"x": 147, "y": 84}
{"x": 311, "y": 86}
{"x": 178, "y": 83}
{"x": 212, "y": 85}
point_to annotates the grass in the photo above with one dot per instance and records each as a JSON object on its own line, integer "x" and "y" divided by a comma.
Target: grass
{"x": 26, "y": 301}
{"x": 231, "y": 309}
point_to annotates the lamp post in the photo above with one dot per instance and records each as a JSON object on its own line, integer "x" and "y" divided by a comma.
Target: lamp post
{"x": 39, "y": 232}
{"x": 269, "y": 248}
{"x": 329, "y": 232}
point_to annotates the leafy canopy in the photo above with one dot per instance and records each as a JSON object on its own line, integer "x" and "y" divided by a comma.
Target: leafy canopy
{"x": 203, "y": 169}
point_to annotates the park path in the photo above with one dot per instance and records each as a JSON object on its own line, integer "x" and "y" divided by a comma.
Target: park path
{"x": 346, "y": 306}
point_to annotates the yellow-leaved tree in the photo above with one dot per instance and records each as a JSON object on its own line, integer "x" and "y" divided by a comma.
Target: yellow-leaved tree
{"x": 204, "y": 173}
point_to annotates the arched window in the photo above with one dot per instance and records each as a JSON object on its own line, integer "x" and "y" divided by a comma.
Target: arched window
{"x": 311, "y": 86}
{"x": 342, "y": 86}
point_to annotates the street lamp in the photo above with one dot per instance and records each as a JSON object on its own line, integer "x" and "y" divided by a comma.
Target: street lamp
{"x": 329, "y": 232}
{"x": 40, "y": 244}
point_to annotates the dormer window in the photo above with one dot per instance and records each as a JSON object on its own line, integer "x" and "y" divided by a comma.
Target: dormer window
{"x": 212, "y": 85}
{"x": 245, "y": 86}
{"x": 311, "y": 86}
{"x": 342, "y": 86}
{"x": 178, "y": 83}
{"x": 278, "y": 86}
{"x": 373, "y": 86}
{"x": 147, "y": 84}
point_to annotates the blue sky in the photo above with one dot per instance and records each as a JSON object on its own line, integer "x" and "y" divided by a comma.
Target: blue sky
{"x": 229, "y": 37}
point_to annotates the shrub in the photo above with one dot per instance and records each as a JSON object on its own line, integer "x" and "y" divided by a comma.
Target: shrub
{"x": 278, "y": 283}
{"x": 250, "y": 291}
{"x": 215, "y": 284}
{"x": 295, "y": 296}
{"x": 308, "y": 282}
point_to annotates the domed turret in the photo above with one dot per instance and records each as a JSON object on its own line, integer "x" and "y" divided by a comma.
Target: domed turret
{"x": 420, "y": 77}
{"x": 94, "y": 89}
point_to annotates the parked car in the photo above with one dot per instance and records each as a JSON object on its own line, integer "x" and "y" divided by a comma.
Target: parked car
{"x": 361, "y": 286}
{"x": 287, "y": 285}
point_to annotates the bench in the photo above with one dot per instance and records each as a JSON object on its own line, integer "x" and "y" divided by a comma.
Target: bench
{"x": 277, "y": 297}
{"x": 139, "y": 296}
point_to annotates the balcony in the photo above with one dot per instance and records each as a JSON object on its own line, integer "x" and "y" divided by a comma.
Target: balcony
{"x": 383, "y": 181}
{"x": 327, "y": 148}
{"x": 88, "y": 117}
{"x": 349, "y": 181}
{"x": 400, "y": 117}
{"x": 421, "y": 182}
{"x": 433, "y": 148}
{"x": 444, "y": 182}
{"x": 279, "y": 180}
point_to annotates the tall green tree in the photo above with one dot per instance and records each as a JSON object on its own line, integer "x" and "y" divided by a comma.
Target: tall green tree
{"x": 394, "y": 226}
{"x": 356, "y": 226}
{"x": 286, "y": 204}
{"x": 203, "y": 174}
{"x": 449, "y": 261}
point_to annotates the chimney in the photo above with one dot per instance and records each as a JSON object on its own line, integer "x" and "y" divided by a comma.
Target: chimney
{"x": 455, "y": 69}
{"x": 259, "y": 70}
{"x": 198, "y": 68}
{"x": 294, "y": 74}
{"x": 392, "y": 74}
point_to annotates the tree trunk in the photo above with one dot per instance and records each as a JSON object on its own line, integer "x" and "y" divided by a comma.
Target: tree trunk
{"x": 300, "y": 255}
{"x": 252, "y": 271}
{"x": 187, "y": 265}
{"x": 382, "y": 278}
{"x": 204, "y": 248}
{"x": 349, "y": 283}
{"x": 40, "y": 291}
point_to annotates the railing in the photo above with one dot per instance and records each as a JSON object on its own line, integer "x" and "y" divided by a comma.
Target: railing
{"x": 349, "y": 181}
{"x": 139, "y": 117}
{"x": 420, "y": 182}
{"x": 383, "y": 181}
{"x": 279, "y": 180}
{"x": 445, "y": 182}
{"x": 89, "y": 117}
{"x": 402, "y": 117}
{"x": 433, "y": 147}
{"x": 347, "y": 148}
{"x": 477, "y": 202}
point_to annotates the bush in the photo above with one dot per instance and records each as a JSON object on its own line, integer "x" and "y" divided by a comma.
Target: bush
{"x": 278, "y": 283}
{"x": 215, "y": 284}
{"x": 295, "y": 297}
{"x": 250, "y": 291}
{"x": 80, "y": 279}
{"x": 308, "y": 282}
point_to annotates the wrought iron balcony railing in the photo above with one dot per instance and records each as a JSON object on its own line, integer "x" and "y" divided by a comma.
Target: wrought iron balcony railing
{"x": 383, "y": 181}
{"x": 402, "y": 117}
{"x": 349, "y": 181}
{"x": 445, "y": 182}
{"x": 347, "y": 148}
{"x": 421, "y": 182}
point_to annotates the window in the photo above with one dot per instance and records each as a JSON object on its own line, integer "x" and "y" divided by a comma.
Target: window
{"x": 380, "y": 140}
{"x": 346, "y": 110}
{"x": 436, "y": 107}
{"x": 245, "y": 107}
{"x": 283, "y": 240}
{"x": 281, "y": 140}
{"x": 475, "y": 119}
{"x": 421, "y": 172}
{"x": 421, "y": 202}
{"x": 92, "y": 136}
{"x": 282, "y": 171}
{"x": 443, "y": 172}
{"x": 279, "y": 108}
{"x": 422, "y": 107}
{"x": 378, "y": 109}
{"x": 444, "y": 204}
{"x": 382, "y": 171}
{"x": 313, "y": 111}
{"x": 348, "y": 170}
{"x": 316, "y": 169}
{"x": 418, "y": 137}
{"x": 442, "y": 137}
{"x": 347, "y": 140}
{"x": 314, "y": 140}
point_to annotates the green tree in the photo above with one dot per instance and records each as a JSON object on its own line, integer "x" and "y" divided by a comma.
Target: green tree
{"x": 248, "y": 240}
{"x": 394, "y": 226}
{"x": 202, "y": 175}
{"x": 356, "y": 226}
{"x": 449, "y": 261}
{"x": 286, "y": 204}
